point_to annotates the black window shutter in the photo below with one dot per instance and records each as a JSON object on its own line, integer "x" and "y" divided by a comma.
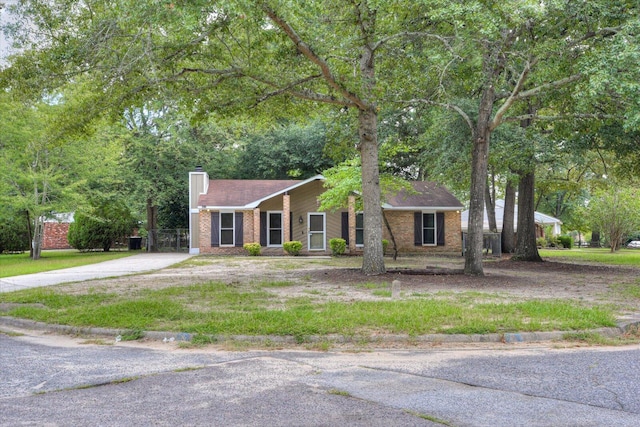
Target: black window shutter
{"x": 239, "y": 229}
{"x": 417, "y": 228}
{"x": 215, "y": 229}
{"x": 345, "y": 226}
{"x": 290, "y": 226}
{"x": 263, "y": 229}
{"x": 440, "y": 227}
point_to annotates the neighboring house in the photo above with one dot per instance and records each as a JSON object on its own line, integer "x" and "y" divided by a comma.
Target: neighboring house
{"x": 225, "y": 214}
{"x": 542, "y": 221}
{"x": 56, "y": 228}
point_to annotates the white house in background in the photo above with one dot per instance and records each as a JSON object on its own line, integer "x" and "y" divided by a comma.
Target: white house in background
{"x": 542, "y": 220}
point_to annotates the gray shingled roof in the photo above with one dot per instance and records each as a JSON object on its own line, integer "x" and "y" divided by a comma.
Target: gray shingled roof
{"x": 429, "y": 195}
{"x": 241, "y": 193}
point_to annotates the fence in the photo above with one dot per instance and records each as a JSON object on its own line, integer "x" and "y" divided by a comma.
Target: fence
{"x": 168, "y": 240}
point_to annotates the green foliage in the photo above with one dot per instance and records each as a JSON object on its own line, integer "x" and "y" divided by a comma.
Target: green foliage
{"x": 615, "y": 213}
{"x": 541, "y": 242}
{"x": 566, "y": 241}
{"x": 338, "y": 246}
{"x": 14, "y": 231}
{"x": 292, "y": 248}
{"x": 385, "y": 245}
{"x": 288, "y": 151}
{"x": 100, "y": 227}
{"x": 252, "y": 248}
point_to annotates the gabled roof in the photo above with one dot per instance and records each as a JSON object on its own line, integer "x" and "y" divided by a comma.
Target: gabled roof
{"x": 248, "y": 194}
{"x": 428, "y": 195}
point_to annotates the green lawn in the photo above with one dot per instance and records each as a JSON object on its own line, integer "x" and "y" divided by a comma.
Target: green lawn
{"x": 19, "y": 264}
{"x": 599, "y": 255}
{"x": 220, "y": 309}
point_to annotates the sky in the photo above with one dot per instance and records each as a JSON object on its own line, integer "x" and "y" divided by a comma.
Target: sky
{"x": 5, "y": 44}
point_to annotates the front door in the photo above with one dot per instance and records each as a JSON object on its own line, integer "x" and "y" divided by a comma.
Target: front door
{"x": 317, "y": 239}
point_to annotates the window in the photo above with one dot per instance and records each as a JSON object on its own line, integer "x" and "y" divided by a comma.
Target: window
{"x": 275, "y": 228}
{"x": 428, "y": 228}
{"x": 359, "y": 229}
{"x": 226, "y": 228}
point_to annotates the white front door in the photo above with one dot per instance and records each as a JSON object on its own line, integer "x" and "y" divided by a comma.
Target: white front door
{"x": 317, "y": 239}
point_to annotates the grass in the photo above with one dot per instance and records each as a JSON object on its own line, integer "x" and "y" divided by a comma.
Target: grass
{"x": 218, "y": 309}
{"x": 19, "y": 264}
{"x": 597, "y": 255}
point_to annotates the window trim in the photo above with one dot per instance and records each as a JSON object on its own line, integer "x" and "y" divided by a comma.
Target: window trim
{"x": 435, "y": 228}
{"x": 233, "y": 228}
{"x": 268, "y": 226}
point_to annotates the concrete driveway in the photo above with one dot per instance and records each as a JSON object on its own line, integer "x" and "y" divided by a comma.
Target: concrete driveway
{"x": 140, "y": 263}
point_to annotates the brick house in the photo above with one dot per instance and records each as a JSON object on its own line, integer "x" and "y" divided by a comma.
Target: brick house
{"x": 225, "y": 214}
{"x": 55, "y": 230}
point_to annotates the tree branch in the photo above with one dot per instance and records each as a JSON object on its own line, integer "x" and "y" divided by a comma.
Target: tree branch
{"x": 551, "y": 85}
{"x": 535, "y": 116}
{"x": 453, "y": 107}
{"x": 498, "y": 118}
{"x": 311, "y": 56}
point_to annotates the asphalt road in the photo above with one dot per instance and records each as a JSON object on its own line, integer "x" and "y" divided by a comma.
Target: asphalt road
{"x": 57, "y": 381}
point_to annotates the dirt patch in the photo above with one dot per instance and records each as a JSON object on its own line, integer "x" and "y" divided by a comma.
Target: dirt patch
{"x": 341, "y": 279}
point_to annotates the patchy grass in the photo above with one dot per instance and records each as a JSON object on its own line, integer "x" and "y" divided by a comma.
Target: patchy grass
{"x": 20, "y": 264}
{"x": 219, "y": 309}
{"x": 595, "y": 255}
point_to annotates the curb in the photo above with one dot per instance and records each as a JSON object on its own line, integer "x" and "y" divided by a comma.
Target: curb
{"x": 505, "y": 338}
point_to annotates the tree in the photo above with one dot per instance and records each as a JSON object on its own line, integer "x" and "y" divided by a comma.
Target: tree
{"x": 512, "y": 61}
{"x": 100, "y": 227}
{"x": 285, "y": 152}
{"x": 230, "y": 57}
{"x": 614, "y": 213}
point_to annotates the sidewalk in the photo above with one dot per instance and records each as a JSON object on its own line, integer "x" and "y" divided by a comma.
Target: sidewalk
{"x": 118, "y": 267}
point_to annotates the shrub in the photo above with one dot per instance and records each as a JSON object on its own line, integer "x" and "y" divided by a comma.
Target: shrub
{"x": 541, "y": 242}
{"x": 566, "y": 241}
{"x": 385, "y": 245}
{"x": 252, "y": 248}
{"x": 14, "y": 234}
{"x": 292, "y": 248}
{"x": 106, "y": 221}
{"x": 338, "y": 246}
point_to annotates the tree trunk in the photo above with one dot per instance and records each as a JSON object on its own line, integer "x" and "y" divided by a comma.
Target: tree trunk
{"x": 508, "y": 232}
{"x": 393, "y": 238}
{"x": 373, "y": 256}
{"x": 152, "y": 226}
{"x": 479, "y": 164}
{"x": 36, "y": 242}
{"x": 489, "y": 201}
{"x": 526, "y": 247}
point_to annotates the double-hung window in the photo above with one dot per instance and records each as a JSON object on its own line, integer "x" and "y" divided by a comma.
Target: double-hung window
{"x": 359, "y": 229}
{"x": 227, "y": 226}
{"x": 429, "y": 231}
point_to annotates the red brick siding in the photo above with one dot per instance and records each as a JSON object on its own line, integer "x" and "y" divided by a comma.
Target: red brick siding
{"x": 54, "y": 235}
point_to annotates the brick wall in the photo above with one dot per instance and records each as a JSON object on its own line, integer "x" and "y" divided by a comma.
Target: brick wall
{"x": 54, "y": 235}
{"x": 402, "y": 225}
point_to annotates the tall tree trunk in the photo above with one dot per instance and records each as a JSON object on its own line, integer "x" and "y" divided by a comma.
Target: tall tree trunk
{"x": 526, "y": 247}
{"x": 479, "y": 164}
{"x": 508, "y": 231}
{"x": 373, "y": 256}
